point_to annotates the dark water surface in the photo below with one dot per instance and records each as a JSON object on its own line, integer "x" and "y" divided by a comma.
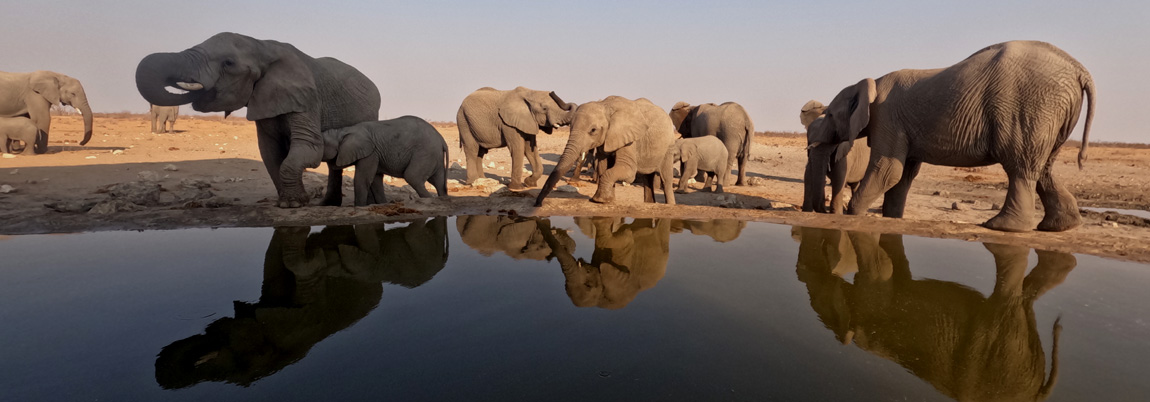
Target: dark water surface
{"x": 495, "y": 308}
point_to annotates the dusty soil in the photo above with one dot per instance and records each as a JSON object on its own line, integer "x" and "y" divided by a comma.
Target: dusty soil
{"x": 209, "y": 174}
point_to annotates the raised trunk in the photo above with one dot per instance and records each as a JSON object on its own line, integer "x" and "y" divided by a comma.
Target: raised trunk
{"x": 158, "y": 71}
{"x": 815, "y": 180}
{"x": 570, "y": 154}
{"x": 86, "y": 110}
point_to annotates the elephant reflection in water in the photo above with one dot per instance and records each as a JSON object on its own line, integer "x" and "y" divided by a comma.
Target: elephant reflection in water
{"x": 628, "y": 258}
{"x": 967, "y": 346}
{"x": 722, "y": 230}
{"x": 313, "y": 286}
{"x": 518, "y": 237}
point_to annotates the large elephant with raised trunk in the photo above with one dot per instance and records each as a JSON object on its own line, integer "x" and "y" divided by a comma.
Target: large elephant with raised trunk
{"x": 1012, "y": 103}
{"x": 970, "y": 347}
{"x": 845, "y": 168}
{"x": 629, "y": 137}
{"x": 490, "y": 118}
{"x": 728, "y": 121}
{"x": 291, "y": 96}
{"x": 33, "y": 94}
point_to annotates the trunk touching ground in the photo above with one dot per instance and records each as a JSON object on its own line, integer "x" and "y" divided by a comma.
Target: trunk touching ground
{"x": 566, "y": 161}
{"x": 158, "y": 71}
{"x": 814, "y": 180}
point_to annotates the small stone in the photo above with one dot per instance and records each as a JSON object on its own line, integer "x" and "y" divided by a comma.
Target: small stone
{"x": 452, "y": 181}
{"x": 118, "y": 152}
{"x": 388, "y": 179}
{"x": 942, "y": 193}
{"x": 194, "y": 184}
{"x": 485, "y": 183}
{"x": 5, "y": 189}
{"x": 171, "y": 168}
{"x": 10, "y": 156}
{"x": 691, "y": 180}
{"x": 959, "y": 206}
{"x": 148, "y": 175}
{"x": 90, "y": 157}
{"x": 780, "y": 205}
{"x": 1110, "y": 224}
{"x": 490, "y": 164}
{"x": 114, "y": 206}
{"x": 567, "y": 188}
{"x": 455, "y": 166}
{"x": 219, "y": 179}
{"x": 972, "y": 202}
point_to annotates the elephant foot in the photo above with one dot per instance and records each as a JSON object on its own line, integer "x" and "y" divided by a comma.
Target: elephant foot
{"x": 515, "y": 185}
{"x": 603, "y": 199}
{"x": 1008, "y": 223}
{"x": 531, "y": 181}
{"x": 680, "y": 191}
{"x": 604, "y": 195}
{"x": 1060, "y": 222}
{"x": 332, "y": 201}
{"x": 293, "y": 199}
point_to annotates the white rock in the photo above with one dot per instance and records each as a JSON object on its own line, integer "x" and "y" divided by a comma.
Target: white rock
{"x": 9, "y": 156}
{"x": 5, "y": 189}
{"x": 118, "y": 152}
{"x": 567, "y": 188}
{"x": 452, "y": 181}
{"x": 388, "y": 179}
{"x": 89, "y": 157}
{"x": 691, "y": 180}
{"x": 490, "y": 164}
{"x": 148, "y": 175}
{"x": 959, "y": 206}
{"x": 1110, "y": 224}
{"x": 485, "y": 183}
{"x": 171, "y": 168}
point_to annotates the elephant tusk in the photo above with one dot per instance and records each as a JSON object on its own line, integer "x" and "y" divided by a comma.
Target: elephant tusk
{"x": 194, "y": 86}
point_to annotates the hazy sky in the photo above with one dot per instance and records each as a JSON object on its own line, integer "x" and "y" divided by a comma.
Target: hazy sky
{"x": 426, "y": 56}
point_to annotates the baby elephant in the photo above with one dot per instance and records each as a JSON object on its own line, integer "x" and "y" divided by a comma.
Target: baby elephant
{"x": 707, "y": 154}
{"x": 14, "y": 129}
{"x": 406, "y": 147}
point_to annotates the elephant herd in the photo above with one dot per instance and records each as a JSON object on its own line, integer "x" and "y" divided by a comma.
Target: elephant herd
{"x": 967, "y": 345}
{"x": 1014, "y": 104}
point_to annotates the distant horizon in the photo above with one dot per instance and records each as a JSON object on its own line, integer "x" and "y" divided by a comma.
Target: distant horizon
{"x": 769, "y": 57}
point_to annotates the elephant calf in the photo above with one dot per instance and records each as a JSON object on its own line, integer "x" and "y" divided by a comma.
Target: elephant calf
{"x": 164, "y": 118}
{"x": 14, "y": 129}
{"x": 707, "y": 154}
{"x": 407, "y": 147}
{"x": 846, "y": 167}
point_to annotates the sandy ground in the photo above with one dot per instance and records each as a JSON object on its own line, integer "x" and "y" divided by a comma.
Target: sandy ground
{"x": 209, "y": 174}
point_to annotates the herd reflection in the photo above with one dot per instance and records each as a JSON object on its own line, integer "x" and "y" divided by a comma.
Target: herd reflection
{"x": 968, "y": 346}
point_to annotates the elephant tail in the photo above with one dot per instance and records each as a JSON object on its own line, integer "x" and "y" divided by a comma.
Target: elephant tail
{"x": 747, "y": 141}
{"x": 1087, "y": 83}
{"x": 446, "y": 164}
{"x": 1048, "y": 386}
{"x": 461, "y": 125}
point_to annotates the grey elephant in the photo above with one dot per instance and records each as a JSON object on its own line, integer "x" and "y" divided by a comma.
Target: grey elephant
{"x": 628, "y": 258}
{"x": 629, "y": 137}
{"x": 1012, "y": 103}
{"x": 33, "y": 94}
{"x": 407, "y": 147}
{"x": 291, "y": 96}
{"x": 706, "y": 155}
{"x": 14, "y": 129}
{"x": 728, "y": 121}
{"x": 968, "y": 346}
{"x": 845, "y": 168}
{"x": 163, "y": 118}
{"x": 517, "y": 237}
{"x": 313, "y": 286}
{"x": 491, "y": 118}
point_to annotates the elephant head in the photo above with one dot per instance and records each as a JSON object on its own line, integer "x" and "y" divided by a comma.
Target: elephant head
{"x": 530, "y": 111}
{"x": 830, "y": 136}
{"x": 811, "y": 111}
{"x": 682, "y": 115}
{"x": 61, "y": 89}
{"x": 344, "y": 146}
{"x": 227, "y": 72}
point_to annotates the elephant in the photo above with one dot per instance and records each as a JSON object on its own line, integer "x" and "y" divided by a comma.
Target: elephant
{"x": 164, "y": 117}
{"x": 720, "y": 230}
{"x": 313, "y": 286}
{"x": 13, "y": 129}
{"x": 33, "y": 94}
{"x": 291, "y": 96}
{"x": 728, "y": 121}
{"x": 1012, "y": 103}
{"x": 705, "y": 154}
{"x": 629, "y": 137}
{"x": 407, "y": 147}
{"x": 519, "y": 238}
{"x": 628, "y": 258}
{"x": 844, "y": 171}
{"x": 490, "y": 118}
{"x": 968, "y": 346}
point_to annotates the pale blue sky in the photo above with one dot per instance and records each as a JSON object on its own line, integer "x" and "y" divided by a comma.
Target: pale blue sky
{"x": 425, "y": 56}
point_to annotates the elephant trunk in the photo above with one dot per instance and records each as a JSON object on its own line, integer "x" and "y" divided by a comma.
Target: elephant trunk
{"x": 566, "y": 106}
{"x": 566, "y": 162}
{"x": 158, "y": 71}
{"x": 815, "y": 178}
{"x": 86, "y": 111}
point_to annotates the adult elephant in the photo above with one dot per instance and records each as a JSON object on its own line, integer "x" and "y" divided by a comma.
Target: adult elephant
{"x": 728, "y": 121}
{"x": 490, "y": 118}
{"x": 968, "y": 346}
{"x": 291, "y": 96}
{"x": 628, "y": 258}
{"x": 1012, "y": 103}
{"x": 32, "y": 94}
{"x": 629, "y": 137}
{"x": 519, "y": 238}
{"x": 720, "y": 230}
{"x": 313, "y": 286}
{"x": 163, "y": 118}
{"x": 846, "y": 167}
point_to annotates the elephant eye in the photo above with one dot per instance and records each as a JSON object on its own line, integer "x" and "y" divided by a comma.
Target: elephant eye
{"x": 229, "y": 63}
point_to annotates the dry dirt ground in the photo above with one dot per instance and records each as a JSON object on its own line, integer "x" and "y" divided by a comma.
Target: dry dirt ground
{"x": 209, "y": 174}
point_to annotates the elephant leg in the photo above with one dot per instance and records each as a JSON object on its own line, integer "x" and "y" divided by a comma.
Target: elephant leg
{"x": 622, "y": 169}
{"x": 838, "y": 176}
{"x": 366, "y": 171}
{"x": 334, "y": 195}
{"x": 894, "y": 200}
{"x": 667, "y": 177}
{"x": 532, "y": 149}
{"x": 1010, "y": 269}
{"x": 516, "y": 145}
{"x": 742, "y": 171}
{"x": 4, "y": 145}
{"x": 1059, "y": 206}
{"x": 43, "y": 122}
{"x": 305, "y": 150}
{"x": 690, "y": 169}
{"x": 1051, "y": 271}
{"x": 711, "y": 176}
{"x": 417, "y": 182}
{"x": 154, "y": 125}
{"x": 883, "y": 174}
{"x": 272, "y": 148}
{"x": 648, "y": 183}
{"x": 377, "y": 195}
{"x": 1017, "y": 214}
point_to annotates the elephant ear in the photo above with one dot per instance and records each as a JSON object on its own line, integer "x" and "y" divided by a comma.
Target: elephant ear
{"x": 354, "y": 146}
{"x": 811, "y": 111}
{"x": 47, "y": 86}
{"x": 625, "y": 126}
{"x": 286, "y": 86}
{"x": 860, "y": 116}
{"x": 685, "y": 151}
{"x": 514, "y": 112}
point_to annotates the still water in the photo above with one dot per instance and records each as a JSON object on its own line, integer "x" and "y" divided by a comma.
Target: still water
{"x": 496, "y": 308}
